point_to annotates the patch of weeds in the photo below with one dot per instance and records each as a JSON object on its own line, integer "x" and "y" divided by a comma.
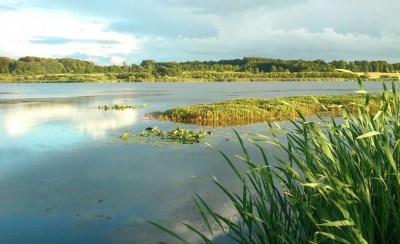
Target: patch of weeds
{"x": 155, "y": 135}
{"x": 121, "y": 107}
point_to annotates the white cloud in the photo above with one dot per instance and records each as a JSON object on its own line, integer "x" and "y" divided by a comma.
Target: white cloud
{"x": 296, "y": 43}
{"x": 94, "y": 122}
{"x": 22, "y": 37}
{"x": 180, "y": 30}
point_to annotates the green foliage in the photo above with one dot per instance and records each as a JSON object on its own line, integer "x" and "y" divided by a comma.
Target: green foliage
{"x": 338, "y": 181}
{"x": 248, "y": 69}
{"x": 251, "y": 110}
{"x": 178, "y": 135}
{"x": 121, "y": 107}
{"x": 40, "y": 66}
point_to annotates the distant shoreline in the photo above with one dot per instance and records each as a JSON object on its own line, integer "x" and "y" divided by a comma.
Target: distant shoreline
{"x": 62, "y": 70}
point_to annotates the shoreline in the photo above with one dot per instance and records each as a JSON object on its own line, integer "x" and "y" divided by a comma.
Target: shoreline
{"x": 166, "y": 80}
{"x": 203, "y": 77}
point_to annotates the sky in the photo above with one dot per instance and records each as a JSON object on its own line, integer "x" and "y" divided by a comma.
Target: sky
{"x": 113, "y": 32}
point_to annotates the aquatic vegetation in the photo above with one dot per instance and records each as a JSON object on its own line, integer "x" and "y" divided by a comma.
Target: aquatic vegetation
{"x": 179, "y": 134}
{"x": 155, "y": 135}
{"x": 125, "y": 135}
{"x": 337, "y": 180}
{"x": 251, "y": 110}
{"x": 121, "y": 107}
{"x": 102, "y": 216}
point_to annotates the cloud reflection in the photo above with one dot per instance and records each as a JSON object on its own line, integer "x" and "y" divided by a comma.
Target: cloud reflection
{"x": 86, "y": 121}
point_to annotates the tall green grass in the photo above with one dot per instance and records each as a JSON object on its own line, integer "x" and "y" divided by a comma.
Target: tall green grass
{"x": 339, "y": 181}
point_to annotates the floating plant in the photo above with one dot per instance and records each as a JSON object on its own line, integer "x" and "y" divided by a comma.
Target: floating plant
{"x": 154, "y": 135}
{"x": 121, "y": 107}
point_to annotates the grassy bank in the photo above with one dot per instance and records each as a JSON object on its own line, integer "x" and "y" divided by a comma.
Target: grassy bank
{"x": 251, "y": 110}
{"x": 120, "y": 77}
{"x": 337, "y": 182}
{"x": 376, "y": 75}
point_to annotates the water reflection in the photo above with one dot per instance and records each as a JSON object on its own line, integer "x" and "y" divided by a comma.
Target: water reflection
{"x": 81, "y": 187}
{"x": 64, "y": 192}
{"x": 130, "y": 183}
{"x": 90, "y": 121}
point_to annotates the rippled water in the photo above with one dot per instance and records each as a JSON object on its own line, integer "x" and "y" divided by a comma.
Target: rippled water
{"x": 66, "y": 176}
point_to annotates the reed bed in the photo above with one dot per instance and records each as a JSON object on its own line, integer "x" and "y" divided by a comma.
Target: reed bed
{"x": 252, "y": 110}
{"x": 338, "y": 182}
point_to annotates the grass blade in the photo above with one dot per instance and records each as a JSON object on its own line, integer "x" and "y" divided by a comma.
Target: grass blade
{"x": 169, "y": 232}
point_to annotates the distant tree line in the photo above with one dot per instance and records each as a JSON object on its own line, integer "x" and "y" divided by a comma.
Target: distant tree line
{"x": 40, "y": 66}
{"x": 248, "y": 67}
{"x": 279, "y": 65}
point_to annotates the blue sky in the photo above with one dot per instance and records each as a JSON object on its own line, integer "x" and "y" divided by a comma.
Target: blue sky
{"x": 113, "y": 32}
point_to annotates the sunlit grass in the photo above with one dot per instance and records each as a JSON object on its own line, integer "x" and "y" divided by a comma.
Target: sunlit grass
{"x": 252, "y": 110}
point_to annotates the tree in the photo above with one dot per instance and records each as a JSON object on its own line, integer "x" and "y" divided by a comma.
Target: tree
{"x": 5, "y": 65}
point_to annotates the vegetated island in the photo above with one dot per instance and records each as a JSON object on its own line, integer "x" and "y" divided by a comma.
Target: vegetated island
{"x": 246, "y": 111}
{"x": 36, "y": 69}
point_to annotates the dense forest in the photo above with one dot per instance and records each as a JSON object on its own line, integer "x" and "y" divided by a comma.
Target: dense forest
{"x": 252, "y": 68}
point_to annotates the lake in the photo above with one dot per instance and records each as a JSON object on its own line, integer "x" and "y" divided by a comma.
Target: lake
{"x": 67, "y": 176}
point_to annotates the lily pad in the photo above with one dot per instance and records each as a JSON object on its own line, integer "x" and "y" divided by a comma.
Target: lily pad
{"x": 178, "y": 135}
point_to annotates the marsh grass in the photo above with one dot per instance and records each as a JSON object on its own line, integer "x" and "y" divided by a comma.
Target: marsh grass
{"x": 338, "y": 182}
{"x": 251, "y": 110}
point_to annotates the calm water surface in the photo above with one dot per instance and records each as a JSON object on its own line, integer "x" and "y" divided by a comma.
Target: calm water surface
{"x": 66, "y": 176}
